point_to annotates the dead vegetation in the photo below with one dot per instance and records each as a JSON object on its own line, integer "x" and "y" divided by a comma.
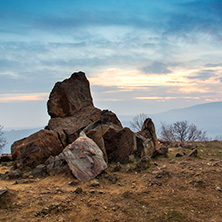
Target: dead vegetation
{"x": 170, "y": 189}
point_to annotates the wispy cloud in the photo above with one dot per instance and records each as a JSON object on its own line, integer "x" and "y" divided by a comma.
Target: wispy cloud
{"x": 8, "y": 98}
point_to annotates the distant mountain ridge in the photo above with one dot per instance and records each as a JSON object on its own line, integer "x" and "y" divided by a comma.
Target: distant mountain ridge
{"x": 207, "y": 116}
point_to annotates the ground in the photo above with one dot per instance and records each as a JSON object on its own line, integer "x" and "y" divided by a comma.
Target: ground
{"x": 183, "y": 189}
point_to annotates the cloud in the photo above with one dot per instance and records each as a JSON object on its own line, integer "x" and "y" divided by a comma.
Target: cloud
{"x": 203, "y": 75}
{"x": 164, "y": 98}
{"x": 7, "y": 98}
{"x": 213, "y": 65}
{"x": 156, "y": 68}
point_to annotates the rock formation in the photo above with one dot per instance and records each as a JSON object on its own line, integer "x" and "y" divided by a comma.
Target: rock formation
{"x": 70, "y": 96}
{"x": 71, "y": 108}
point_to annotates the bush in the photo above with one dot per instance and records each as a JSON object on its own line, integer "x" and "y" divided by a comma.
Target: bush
{"x": 137, "y": 122}
{"x": 181, "y": 131}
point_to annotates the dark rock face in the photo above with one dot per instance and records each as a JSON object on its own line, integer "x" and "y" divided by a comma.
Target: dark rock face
{"x": 69, "y": 96}
{"x": 119, "y": 144}
{"x": 85, "y": 159}
{"x": 35, "y": 149}
{"x": 108, "y": 117}
{"x": 73, "y": 125}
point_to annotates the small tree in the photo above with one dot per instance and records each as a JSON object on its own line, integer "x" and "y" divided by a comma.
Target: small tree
{"x": 137, "y": 122}
{"x": 2, "y": 139}
{"x": 181, "y": 131}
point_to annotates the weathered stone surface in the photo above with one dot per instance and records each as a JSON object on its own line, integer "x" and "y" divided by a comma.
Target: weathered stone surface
{"x": 145, "y": 147}
{"x": 69, "y": 96}
{"x": 85, "y": 159}
{"x": 148, "y": 131}
{"x": 56, "y": 165}
{"x": 119, "y": 144}
{"x": 14, "y": 174}
{"x": 73, "y": 125}
{"x": 40, "y": 170}
{"x": 35, "y": 149}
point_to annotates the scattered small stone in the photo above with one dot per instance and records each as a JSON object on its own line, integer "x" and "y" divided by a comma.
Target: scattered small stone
{"x": 40, "y": 170}
{"x": 94, "y": 183}
{"x": 92, "y": 191}
{"x": 113, "y": 178}
{"x": 132, "y": 158}
{"x": 218, "y": 189}
{"x": 117, "y": 167}
{"x": 127, "y": 169}
{"x": 19, "y": 182}
{"x": 143, "y": 163}
{"x": 3, "y": 190}
{"x": 14, "y": 174}
{"x": 78, "y": 190}
{"x": 193, "y": 153}
{"x": 179, "y": 155}
{"x": 73, "y": 183}
{"x": 216, "y": 164}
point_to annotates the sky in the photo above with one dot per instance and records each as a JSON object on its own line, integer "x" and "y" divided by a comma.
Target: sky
{"x": 139, "y": 56}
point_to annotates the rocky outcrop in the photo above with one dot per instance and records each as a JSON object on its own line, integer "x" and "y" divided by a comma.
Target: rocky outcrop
{"x": 35, "y": 149}
{"x": 71, "y": 109}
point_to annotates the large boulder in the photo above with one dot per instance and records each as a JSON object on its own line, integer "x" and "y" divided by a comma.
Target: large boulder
{"x": 35, "y": 149}
{"x": 120, "y": 143}
{"x": 69, "y": 96}
{"x": 95, "y": 131}
{"x": 116, "y": 142}
{"x": 85, "y": 159}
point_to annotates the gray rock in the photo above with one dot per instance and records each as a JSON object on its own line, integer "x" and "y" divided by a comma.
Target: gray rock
{"x": 85, "y": 159}
{"x": 14, "y": 174}
{"x": 40, "y": 170}
{"x": 143, "y": 163}
{"x": 193, "y": 153}
{"x": 94, "y": 183}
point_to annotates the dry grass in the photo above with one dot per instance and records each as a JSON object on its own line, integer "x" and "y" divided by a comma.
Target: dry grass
{"x": 173, "y": 189}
